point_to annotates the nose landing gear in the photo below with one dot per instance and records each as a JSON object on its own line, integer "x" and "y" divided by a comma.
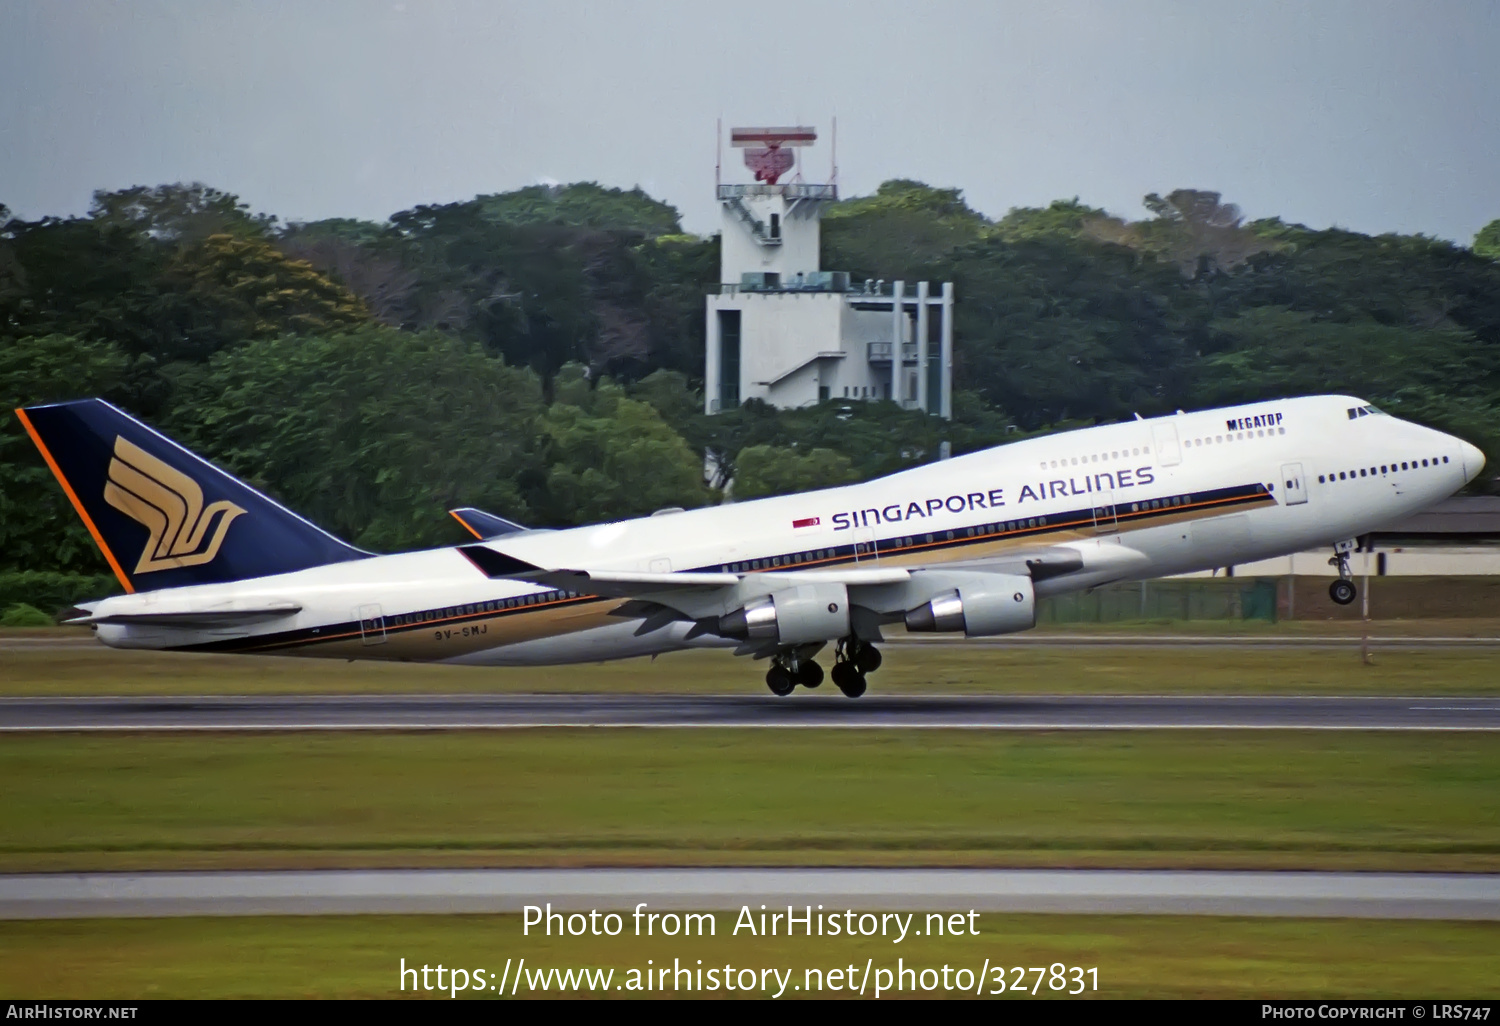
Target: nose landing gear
{"x": 1342, "y": 590}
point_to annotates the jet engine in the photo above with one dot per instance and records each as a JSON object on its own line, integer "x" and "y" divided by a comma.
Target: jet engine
{"x": 792, "y": 616}
{"x": 980, "y": 605}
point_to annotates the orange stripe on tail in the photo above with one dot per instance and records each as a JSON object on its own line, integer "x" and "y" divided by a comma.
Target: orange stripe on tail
{"x": 88, "y": 522}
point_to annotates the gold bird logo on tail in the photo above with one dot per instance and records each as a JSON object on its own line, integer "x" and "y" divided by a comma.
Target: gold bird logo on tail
{"x": 169, "y": 504}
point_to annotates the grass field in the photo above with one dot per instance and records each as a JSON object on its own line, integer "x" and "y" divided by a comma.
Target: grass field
{"x": 716, "y": 797}
{"x": 1136, "y": 956}
{"x": 909, "y": 669}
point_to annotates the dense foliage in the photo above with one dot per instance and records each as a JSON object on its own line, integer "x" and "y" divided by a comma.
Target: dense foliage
{"x": 539, "y": 353}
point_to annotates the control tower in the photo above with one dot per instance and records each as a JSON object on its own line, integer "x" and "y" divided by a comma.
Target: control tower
{"x": 782, "y": 329}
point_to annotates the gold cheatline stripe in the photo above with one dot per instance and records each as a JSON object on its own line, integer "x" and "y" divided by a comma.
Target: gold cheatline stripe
{"x": 544, "y": 606}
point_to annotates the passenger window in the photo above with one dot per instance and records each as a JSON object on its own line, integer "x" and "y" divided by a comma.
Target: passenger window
{"x": 1445, "y": 459}
{"x": 1424, "y": 463}
{"x": 1361, "y": 471}
{"x": 1320, "y": 479}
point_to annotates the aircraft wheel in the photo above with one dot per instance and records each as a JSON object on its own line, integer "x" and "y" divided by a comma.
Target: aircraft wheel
{"x": 868, "y": 658}
{"x": 1342, "y": 592}
{"x": 780, "y": 682}
{"x": 809, "y": 674}
{"x": 849, "y": 680}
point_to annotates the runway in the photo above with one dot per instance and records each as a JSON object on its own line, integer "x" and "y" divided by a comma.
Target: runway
{"x": 803, "y": 709}
{"x": 1239, "y": 642}
{"x": 1370, "y": 895}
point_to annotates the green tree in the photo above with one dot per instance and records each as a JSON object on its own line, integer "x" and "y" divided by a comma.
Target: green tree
{"x": 373, "y": 434}
{"x": 178, "y": 213}
{"x": 1067, "y": 218}
{"x": 677, "y": 270}
{"x": 76, "y": 277}
{"x": 763, "y": 470}
{"x": 38, "y": 528}
{"x": 611, "y": 457}
{"x": 227, "y": 290}
{"x": 1053, "y": 329}
{"x": 1487, "y": 241}
{"x": 898, "y": 231}
{"x": 1275, "y": 351}
{"x": 1199, "y": 232}
{"x": 672, "y": 395}
{"x": 582, "y": 205}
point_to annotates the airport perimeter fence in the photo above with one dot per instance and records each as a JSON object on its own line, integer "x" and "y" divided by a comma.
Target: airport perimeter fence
{"x": 1188, "y": 599}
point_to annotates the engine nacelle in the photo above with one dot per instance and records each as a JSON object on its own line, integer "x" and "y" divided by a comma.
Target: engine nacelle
{"x": 989, "y": 604}
{"x": 792, "y": 616}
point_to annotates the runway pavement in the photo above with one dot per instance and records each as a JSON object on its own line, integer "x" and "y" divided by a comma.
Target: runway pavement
{"x": 1023, "y": 640}
{"x": 824, "y": 709}
{"x": 1373, "y": 895}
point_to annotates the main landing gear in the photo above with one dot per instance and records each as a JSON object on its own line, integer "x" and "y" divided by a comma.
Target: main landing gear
{"x": 787, "y": 672}
{"x": 852, "y": 660}
{"x": 1342, "y": 590}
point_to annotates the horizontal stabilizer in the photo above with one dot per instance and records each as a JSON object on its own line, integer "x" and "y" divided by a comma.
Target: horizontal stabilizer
{"x": 199, "y": 619}
{"x": 484, "y": 525}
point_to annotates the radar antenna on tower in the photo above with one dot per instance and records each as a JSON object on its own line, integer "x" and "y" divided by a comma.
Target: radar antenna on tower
{"x": 767, "y": 150}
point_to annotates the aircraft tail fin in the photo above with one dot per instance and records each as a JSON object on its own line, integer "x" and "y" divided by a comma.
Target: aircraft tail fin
{"x": 162, "y": 516}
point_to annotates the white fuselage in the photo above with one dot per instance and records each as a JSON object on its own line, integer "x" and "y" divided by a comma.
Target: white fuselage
{"x": 1140, "y": 499}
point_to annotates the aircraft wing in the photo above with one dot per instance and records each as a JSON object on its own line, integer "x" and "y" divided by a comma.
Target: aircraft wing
{"x": 631, "y": 584}
{"x": 716, "y": 602}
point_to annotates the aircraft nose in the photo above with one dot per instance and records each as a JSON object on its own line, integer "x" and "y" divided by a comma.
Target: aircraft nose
{"x": 1473, "y": 460}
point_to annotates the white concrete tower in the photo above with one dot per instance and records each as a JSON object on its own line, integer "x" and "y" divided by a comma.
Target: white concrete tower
{"x": 782, "y": 329}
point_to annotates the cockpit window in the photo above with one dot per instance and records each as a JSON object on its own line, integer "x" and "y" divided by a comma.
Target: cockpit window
{"x": 1363, "y": 411}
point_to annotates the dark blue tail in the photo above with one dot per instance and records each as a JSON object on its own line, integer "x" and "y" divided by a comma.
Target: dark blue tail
{"x": 164, "y": 517}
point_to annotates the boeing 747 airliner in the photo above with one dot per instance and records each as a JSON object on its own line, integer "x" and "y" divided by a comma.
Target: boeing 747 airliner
{"x": 965, "y": 545}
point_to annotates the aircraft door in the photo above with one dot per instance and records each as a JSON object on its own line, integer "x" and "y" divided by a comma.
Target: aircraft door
{"x": 1295, "y": 487}
{"x": 1105, "y": 520}
{"x": 864, "y": 545}
{"x": 1168, "y": 448}
{"x": 371, "y": 624}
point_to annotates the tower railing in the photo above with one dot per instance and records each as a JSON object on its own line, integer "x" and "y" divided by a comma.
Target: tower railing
{"x": 793, "y": 191}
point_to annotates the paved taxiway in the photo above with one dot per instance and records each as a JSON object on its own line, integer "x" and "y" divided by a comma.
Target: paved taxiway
{"x": 824, "y": 709}
{"x": 1380, "y": 895}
